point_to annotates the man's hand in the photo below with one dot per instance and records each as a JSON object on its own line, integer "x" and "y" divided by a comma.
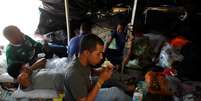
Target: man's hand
{"x": 106, "y": 72}
{"x": 23, "y": 79}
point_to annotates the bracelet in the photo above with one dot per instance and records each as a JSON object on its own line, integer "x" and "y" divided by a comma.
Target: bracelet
{"x": 100, "y": 81}
{"x": 99, "y": 84}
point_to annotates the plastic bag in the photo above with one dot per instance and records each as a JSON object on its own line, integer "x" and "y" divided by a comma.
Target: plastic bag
{"x": 168, "y": 55}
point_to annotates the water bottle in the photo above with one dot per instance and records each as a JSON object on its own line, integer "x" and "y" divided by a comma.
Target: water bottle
{"x": 137, "y": 95}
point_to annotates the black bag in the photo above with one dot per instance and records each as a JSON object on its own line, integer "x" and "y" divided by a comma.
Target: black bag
{"x": 49, "y": 22}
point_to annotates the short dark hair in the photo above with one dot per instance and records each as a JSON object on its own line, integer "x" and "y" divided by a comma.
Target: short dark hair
{"x": 14, "y": 69}
{"x": 10, "y": 30}
{"x": 89, "y": 42}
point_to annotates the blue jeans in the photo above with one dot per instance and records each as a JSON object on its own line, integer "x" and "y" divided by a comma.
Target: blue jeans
{"x": 112, "y": 94}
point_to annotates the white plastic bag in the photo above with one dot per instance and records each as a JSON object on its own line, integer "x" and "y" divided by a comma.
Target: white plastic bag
{"x": 169, "y": 55}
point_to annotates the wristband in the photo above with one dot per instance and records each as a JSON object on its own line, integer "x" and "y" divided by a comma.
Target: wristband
{"x": 100, "y": 81}
{"x": 99, "y": 85}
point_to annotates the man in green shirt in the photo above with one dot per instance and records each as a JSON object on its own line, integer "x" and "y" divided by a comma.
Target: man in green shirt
{"x": 21, "y": 48}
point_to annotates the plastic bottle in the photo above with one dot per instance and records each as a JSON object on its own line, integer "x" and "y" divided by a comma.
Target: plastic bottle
{"x": 138, "y": 94}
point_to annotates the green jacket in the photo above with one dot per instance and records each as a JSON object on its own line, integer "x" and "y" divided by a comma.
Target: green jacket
{"x": 24, "y": 53}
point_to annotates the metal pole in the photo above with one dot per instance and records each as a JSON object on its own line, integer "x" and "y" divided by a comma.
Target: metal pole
{"x": 130, "y": 30}
{"x": 134, "y": 11}
{"x": 67, "y": 19}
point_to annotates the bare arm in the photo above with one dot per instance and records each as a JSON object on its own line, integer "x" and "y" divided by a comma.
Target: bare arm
{"x": 127, "y": 56}
{"x": 92, "y": 95}
{"x": 105, "y": 75}
{"x": 128, "y": 50}
{"x": 109, "y": 40}
{"x": 38, "y": 64}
